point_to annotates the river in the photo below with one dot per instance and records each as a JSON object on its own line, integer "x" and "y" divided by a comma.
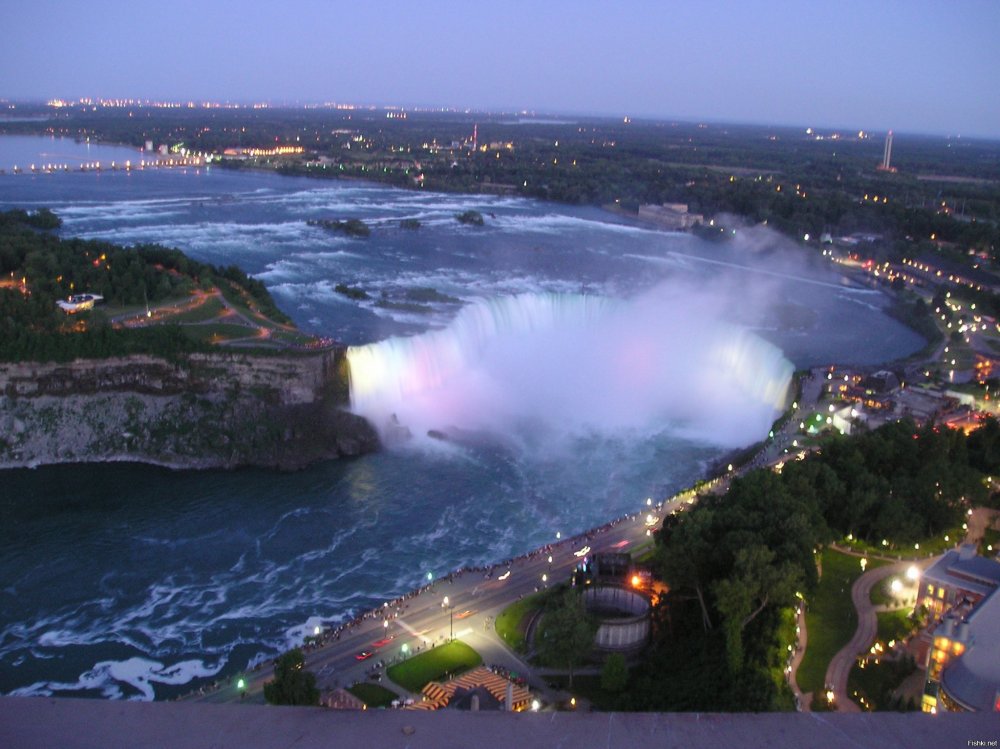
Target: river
{"x": 139, "y": 582}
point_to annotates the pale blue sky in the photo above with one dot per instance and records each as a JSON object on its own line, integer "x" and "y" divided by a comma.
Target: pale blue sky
{"x": 913, "y": 66}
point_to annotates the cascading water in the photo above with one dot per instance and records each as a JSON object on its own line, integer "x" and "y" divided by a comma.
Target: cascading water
{"x": 571, "y": 364}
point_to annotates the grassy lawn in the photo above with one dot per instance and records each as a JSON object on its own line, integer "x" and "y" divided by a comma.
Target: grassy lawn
{"x": 373, "y": 695}
{"x": 830, "y": 617}
{"x": 215, "y": 332}
{"x": 449, "y": 659}
{"x": 937, "y": 545}
{"x": 512, "y": 623}
{"x": 209, "y": 309}
{"x": 881, "y": 595}
{"x": 927, "y": 546}
{"x": 894, "y": 625}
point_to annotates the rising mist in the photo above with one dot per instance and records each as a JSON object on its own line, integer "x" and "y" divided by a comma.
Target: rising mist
{"x": 566, "y": 364}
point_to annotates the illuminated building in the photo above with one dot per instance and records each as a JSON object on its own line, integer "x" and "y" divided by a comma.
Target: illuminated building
{"x": 963, "y": 664}
{"x": 959, "y": 577}
{"x": 963, "y": 671}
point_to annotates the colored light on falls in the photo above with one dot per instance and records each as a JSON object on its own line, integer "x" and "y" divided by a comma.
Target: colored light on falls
{"x": 571, "y": 363}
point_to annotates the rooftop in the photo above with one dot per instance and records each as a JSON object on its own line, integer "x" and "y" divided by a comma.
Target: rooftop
{"x": 974, "y": 678}
{"x": 963, "y": 568}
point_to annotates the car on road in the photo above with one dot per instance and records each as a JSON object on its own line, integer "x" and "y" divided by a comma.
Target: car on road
{"x": 364, "y": 655}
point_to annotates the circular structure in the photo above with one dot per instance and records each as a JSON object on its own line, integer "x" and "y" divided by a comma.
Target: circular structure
{"x": 624, "y": 616}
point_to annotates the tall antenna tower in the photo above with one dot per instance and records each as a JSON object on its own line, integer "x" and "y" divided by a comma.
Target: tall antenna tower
{"x": 886, "y": 166}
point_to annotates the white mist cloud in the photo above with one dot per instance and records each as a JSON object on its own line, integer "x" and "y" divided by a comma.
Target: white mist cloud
{"x": 564, "y": 364}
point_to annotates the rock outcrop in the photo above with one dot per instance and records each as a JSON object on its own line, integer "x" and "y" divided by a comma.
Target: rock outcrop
{"x": 219, "y": 410}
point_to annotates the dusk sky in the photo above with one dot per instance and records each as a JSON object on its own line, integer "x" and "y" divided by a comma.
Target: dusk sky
{"x": 912, "y": 66}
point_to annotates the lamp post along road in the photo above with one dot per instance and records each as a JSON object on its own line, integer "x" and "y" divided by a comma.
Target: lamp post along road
{"x": 451, "y": 619}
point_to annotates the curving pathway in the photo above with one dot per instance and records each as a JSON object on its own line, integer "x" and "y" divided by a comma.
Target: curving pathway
{"x": 839, "y": 668}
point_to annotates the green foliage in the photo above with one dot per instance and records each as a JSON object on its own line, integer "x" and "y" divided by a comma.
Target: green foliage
{"x": 43, "y": 219}
{"x": 292, "y": 685}
{"x": 512, "y": 622}
{"x": 373, "y": 695}
{"x": 895, "y": 625}
{"x": 614, "y": 675}
{"x": 757, "y": 582}
{"x": 897, "y": 483}
{"x": 734, "y": 561}
{"x": 567, "y": 634}
{"x": 32, "y": 327}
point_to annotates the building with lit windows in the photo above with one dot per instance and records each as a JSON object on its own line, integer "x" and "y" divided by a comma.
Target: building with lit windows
{"x": 963, "y": 672}
{"x": 963, "y": 663}
{"x": 959, "y": 577}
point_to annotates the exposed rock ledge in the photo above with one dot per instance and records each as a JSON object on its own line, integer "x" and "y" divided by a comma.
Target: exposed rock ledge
{"x": 201, "y": 411}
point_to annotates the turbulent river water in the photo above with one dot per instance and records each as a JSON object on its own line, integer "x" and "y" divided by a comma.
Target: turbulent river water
{"x": 579, "y": 363}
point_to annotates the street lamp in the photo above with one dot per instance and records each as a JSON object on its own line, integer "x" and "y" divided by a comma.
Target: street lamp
{"x": 451, "y": 618}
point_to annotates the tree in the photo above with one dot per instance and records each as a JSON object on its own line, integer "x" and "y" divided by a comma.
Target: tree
{"x": 757, "y": 581}
{"x": 291, "y": 684}
{"x": 568, "y": 633}
{"x": 684, "y": 560}
{"x": 614, "y": 675}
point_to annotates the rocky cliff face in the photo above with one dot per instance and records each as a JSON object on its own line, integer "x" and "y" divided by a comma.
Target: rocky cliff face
{"x": 201, "y": 411}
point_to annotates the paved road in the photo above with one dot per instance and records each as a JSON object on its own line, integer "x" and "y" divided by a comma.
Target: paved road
{"x": 419, "y": 620}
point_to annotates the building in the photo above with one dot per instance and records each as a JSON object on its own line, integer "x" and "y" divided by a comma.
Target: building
{"x": 963, "y": 673}
{"x": 958, "y": 578}
{"x": 79, "y": 303}
{"x": 672, "y": 216}
{"x": 886, "y": 165}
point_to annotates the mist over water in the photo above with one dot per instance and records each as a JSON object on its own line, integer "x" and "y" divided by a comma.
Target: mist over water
{"x": 571, "y": 364}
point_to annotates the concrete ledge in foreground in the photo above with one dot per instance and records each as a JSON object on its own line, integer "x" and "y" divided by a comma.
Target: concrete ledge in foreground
{"x": 30, "y": 722}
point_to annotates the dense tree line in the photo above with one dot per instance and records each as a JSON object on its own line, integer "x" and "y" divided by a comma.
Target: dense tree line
{"x": 736, "y": 560}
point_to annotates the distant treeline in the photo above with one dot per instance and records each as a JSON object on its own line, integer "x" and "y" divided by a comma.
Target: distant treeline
{"x": 798, "y": 182}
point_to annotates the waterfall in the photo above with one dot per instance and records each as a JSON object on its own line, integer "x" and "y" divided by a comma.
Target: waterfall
{"x": 571, "y": 362}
